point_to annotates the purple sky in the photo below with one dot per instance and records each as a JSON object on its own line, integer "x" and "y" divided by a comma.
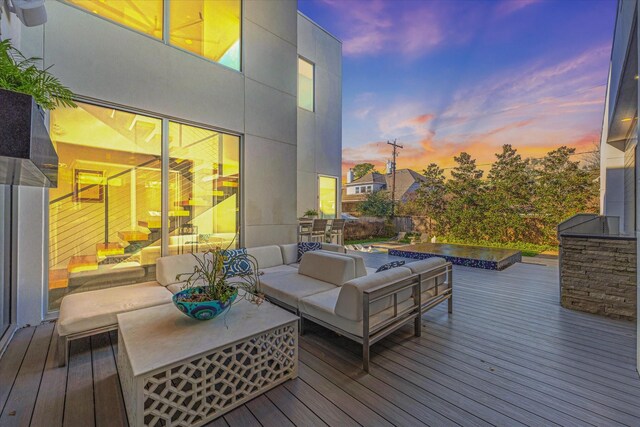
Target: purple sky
{"x": 445, "y": 76}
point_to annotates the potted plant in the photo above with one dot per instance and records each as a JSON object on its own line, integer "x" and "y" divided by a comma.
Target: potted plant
{"x": 311, "y": 213}
{"x": 21, "y": 74}
{"x": 208, "y": 291}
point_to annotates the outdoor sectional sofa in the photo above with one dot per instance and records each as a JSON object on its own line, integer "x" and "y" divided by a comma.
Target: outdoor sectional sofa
{"x": 88, "y": 313}
{"x": 328, "y": 286}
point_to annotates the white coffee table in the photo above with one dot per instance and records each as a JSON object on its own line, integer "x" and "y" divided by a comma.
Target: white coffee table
{"x": 176, "y": 371}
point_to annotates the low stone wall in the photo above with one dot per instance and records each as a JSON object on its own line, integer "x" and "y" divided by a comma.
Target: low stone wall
{"x": 598, "y": 275}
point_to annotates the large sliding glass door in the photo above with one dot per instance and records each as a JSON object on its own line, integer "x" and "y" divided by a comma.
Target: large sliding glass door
{"x": 203, "y": 191}
{"x": 106, "y": 219}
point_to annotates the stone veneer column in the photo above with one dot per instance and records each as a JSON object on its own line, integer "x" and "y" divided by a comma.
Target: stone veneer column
{"x": 598, "y": 275}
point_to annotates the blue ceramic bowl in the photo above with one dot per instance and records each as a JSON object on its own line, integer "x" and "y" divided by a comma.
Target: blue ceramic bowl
{"x": 204, "y": 310}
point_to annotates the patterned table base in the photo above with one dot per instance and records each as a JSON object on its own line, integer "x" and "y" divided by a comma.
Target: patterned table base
{"x": 196, "y": 391}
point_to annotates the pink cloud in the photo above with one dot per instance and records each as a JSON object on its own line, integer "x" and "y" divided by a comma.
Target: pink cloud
{"x": 374, "y": 27}
{"x": 536, "y": 107}
{"x": 507, "y": 7}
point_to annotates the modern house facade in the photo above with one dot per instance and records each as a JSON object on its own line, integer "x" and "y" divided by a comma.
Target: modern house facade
{"x": 198, "y": 124}
{"x": 619, "y": 161}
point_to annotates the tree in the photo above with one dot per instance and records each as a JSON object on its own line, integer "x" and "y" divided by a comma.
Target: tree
{"x": 362, "y": 169}
{"x": 563, "y": 189}
{"x": 510, "y": 188}
{"x": 431, "y": 196}
{"x": 377, "y": 204}
{"x": 465, "y": 209}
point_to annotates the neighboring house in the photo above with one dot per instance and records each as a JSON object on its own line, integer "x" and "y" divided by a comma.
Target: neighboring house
{"x": 620, "y": 169}
{"x": 198, "y": 124}
{"x": 356, "y": 190}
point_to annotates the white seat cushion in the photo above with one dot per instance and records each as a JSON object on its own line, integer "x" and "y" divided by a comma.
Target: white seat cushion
{"x": 361, "y": 270}
{"x": 168, "y": 267}
{"x": 279, "y": 268}
{"x": 267, "y": 256}
{"x": 328, "y": 267}
{"x": 289, "y": 286}
{"x": 289, "y": 253}
{"x": 322, "y": 307}
{"x": 86, "y": 311}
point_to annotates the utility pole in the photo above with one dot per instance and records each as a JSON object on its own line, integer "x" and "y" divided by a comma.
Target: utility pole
{"x": 395, "y": 146}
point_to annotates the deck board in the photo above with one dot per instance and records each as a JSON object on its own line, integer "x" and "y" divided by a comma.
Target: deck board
{"x": 508, "y": 355}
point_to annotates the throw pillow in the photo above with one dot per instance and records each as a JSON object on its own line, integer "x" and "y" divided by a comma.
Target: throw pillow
{"x": 306, "y": 247}
{"x": 389, "y": 266}
{"x": 236, "y": 263}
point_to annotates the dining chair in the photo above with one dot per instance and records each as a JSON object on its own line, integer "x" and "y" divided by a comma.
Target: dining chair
{"x": 337, "y": 230}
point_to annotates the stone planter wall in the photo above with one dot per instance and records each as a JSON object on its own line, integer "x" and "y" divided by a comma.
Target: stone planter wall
{"x": 598, "y": 275}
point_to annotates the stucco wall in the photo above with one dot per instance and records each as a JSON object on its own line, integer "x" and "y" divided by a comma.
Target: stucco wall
{"x": 319, "y": 131}
{"x": 598, "y": 275}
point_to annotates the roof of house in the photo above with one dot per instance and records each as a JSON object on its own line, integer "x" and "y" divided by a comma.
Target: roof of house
{"x": 405, "y": 180}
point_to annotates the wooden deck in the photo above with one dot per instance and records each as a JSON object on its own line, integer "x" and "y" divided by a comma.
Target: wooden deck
{"x": 509, "y": 355}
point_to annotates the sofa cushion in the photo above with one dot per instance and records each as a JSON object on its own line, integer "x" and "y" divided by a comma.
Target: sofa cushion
{"x": 390, "y": 265}
{"x": 167, "y": 268}
{"x": 289, "y": 286}
{"x": 361, "y": 269}
{"x": 266, "y": 256}
{"x": 322, "y": 307}
{"x": 349, "y": 304}
{"x": 278, "y": 268}
{"x": 85, "y": 311}
{"x": 304, "y": 247}
{"x": 236, "y": 262}
{"x": 328, "y": 267}
{"x": 289, "y": 253}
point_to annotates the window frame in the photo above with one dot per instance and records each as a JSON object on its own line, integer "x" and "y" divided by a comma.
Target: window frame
{"x": 165, "y": 160}
{"x": 165, "y": 32}
{"x": 336, "y": 192}
{"x": 313, "y": 84}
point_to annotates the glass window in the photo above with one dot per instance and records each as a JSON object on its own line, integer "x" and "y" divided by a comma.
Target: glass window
{"x": 327, "y": 196}
{"x": 104, "y": 216}
{"x": 207, "y": 28}
{"x": 141, "y": 15}
{"x": 305, "y": 84}
{"x": 204, "y": 182}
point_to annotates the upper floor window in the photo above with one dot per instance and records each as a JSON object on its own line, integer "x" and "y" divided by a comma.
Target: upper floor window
{"x": 306, "y": 79}
{"x": 140, "y": 15}
{"x": 207, "y": 28}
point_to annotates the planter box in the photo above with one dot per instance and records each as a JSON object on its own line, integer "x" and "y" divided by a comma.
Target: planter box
{"x": 27, "y": 156}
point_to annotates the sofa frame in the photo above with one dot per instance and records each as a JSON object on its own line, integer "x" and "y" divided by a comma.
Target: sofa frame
{"x": 374, "y": 333}
{"x": 65, "y": 341}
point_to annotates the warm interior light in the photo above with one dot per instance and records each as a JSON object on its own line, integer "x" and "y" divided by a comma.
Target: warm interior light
{"x": 626, "y": 119}
{"x": 636, "y": 77}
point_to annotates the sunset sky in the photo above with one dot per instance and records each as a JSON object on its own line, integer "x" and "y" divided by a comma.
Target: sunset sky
{"x": 445, "y": 76}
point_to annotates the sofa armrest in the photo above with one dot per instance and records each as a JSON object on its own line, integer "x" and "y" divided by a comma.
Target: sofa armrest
{"x": 334, "y": 248}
